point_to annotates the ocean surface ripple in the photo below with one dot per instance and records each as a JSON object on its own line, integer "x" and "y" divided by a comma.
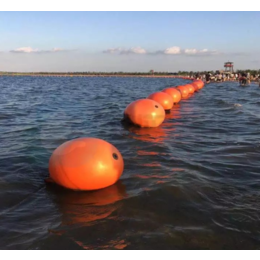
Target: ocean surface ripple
{"x": 192, "y": 183}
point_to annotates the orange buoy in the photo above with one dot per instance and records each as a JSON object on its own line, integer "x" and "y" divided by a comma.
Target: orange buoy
{"x": 199, "y": 83}
{"x": 164, "y": 99}
{"x": 145, "y": 113}
{"x": 196, "y": 84}
{"x": 184, "y": 91}
{"x": 86, "y": 164}
{"x": 186, "y": 87}
{"x": 174, "y": 93}
{"x": 196, "y": 88}
{"x": 190, "y": 88}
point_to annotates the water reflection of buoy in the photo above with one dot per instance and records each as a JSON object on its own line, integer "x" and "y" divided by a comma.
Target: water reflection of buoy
{"x": 164, "y": 99}
{"x": 80, "y": 210}
{"x": 145, "y": 113}
{"x": 184, "y": 91}
{"x": 174, "y": 93}
{"x": 153, "y": 135}
{"x": 174, "y": 113}
{"x": 85, "y": 207}
{"x": 86, "y": 164}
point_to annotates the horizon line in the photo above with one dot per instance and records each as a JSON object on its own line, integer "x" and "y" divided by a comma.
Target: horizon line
{"x": 126, "y": 72}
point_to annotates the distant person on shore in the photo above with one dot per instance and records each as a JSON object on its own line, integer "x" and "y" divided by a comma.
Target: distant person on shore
{"x": 243, "y": 79}
{"x": 207, "y": 76}
{"x": 219, "y": 77}
{"x": 248, "y": 77}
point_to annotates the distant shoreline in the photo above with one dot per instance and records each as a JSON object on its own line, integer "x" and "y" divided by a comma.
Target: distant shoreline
{"x": 92, "y": 75}
{"x": 60, "y": 75}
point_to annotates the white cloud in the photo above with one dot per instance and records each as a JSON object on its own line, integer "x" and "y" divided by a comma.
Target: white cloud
{"x": 200, "y": 52}
{"x": 190, "y": 51}
{"x": 138, "y": 50}
{"x": 134, "y": 50}
{"x": 25, "y": 50}
{"x": 56, "y": 49}
{"x": 31, "y": 50}
{"x": 112, "y": 50}
{"x": 173, "y": 50}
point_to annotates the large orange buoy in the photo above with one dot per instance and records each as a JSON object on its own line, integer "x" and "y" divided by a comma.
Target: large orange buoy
{"x": 196, "y": 84}
{"x": 190, "y": 88}
{"x": 196, "y": 88}
{"x": 164, "y": 99}
{"x": 86, "y": 164}
{"x": 145, "y": 113}
{"x": 186, "y": 87}
{"x": 174, "y": 93}
{"x": 184, "y": 91}
{"x": 199, "y": 83}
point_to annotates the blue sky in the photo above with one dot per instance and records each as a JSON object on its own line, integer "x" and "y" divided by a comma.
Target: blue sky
{"x": 128, "y": 41}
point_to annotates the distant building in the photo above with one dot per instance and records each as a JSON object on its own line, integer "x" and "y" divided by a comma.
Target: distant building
{"x": 229, "y": 67}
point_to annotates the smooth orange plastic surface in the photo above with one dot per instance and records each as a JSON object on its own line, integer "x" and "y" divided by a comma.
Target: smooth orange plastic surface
{"x": 199, "y": 83}
{"x": 145, "y": 113}
{"x": 174, "y": 93}
{"x": 164, "y": 99}
{"x": 86, "y": 164}
{"x": 190, "y": 88}
{"x": 184, "y": 91}
{"x": 196, "y": 88}
{"x": 186, "y": 87}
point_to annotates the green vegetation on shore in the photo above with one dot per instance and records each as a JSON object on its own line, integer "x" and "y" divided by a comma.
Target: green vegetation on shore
{"x": 120, "y": 73}
{"x": 89, "y": 73}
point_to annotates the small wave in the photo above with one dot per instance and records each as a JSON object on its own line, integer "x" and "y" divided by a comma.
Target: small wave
{"x": 192, "y": 172}
{"x": 6, "y": 116}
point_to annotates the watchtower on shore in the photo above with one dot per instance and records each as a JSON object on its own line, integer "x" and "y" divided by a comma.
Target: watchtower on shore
{"x": 229, "y": 67}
